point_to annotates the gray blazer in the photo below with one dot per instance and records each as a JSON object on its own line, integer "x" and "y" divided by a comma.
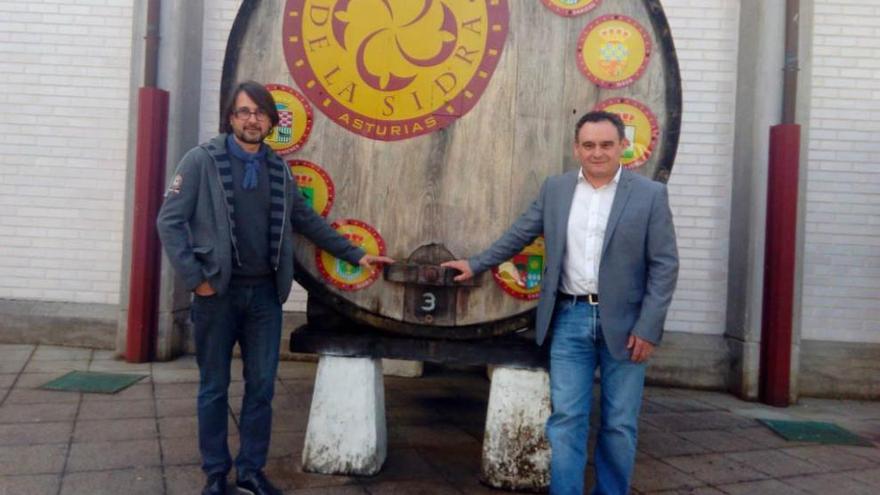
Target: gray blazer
{"x": 639, "y": 264}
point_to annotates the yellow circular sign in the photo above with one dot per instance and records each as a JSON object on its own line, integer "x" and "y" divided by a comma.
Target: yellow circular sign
{"x": 315, "y": 184}
{"x": 342, "y": 274}
{"x": 570, "y": 8}
{"x": 394, "y": 69}
{"x": 640, "y": 126}
{"x": 294, "y": 120}
{"x": 613, "y": 51}
{"x": 521, "y": 275}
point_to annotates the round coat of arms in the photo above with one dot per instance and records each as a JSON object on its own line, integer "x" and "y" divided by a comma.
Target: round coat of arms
{"x": 569, "y": 8}
{"x": 641, "y": 128}
{"x": 393, "y": 69}
{"x": 342, "y": 274}
{"x": 521, "y": 275}
{"x": 613, "y": 51}
{"x": 295, "y": 120}
{"x": 315, "y": 184}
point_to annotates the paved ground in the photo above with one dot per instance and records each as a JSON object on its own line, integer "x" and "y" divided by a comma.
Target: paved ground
{"x": 143, "y": 440}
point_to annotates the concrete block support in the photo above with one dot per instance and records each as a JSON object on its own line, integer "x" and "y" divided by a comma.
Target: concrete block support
{"x": 516, "y": 455}
{"x": 346, "y": 433}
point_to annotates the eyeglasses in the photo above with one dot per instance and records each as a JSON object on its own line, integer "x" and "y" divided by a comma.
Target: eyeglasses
{"x": 245, "y": 114}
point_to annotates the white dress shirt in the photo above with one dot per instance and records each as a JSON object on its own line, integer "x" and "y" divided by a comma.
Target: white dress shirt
{"x": 587, "y": 219}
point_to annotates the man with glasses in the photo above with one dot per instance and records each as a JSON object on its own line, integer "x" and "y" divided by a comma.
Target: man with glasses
{"x": 227, "y": 226}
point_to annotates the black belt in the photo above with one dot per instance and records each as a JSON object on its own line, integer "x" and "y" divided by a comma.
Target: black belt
{"x": 591, "y": 299}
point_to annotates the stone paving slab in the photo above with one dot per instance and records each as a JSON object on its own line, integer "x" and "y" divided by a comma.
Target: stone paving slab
{"x": 832, "y": 483}
{"x": 777, "y": 464}
{"x": 411, "y": 488}
{"x": 143, "y": 481}
{"x": 703, "y": 490}
{"x": 113, "y": 366}
{"x": 34, "y": 433}
{"x": 870, "y": 477}
{"x": 334, "y": 490}
{"x": 144, "y": 438}
{"x": 692, "y": 421}
{"x": 115, "y": 430}
{"x": 774, "y": 487}
{"x": 30, "y": 484}
{"x": 61, "y": 367}
{"x": 92, "y": 456}
{"x": 654, "y": 476}
{"x": 59, "y": 353}
{"x": 176, "y": 451}
{"x": 12, "y": 364}
{"x": 183, "y": 480}
{"x": 719, "y": 440}
{"x": 32, "y": 459}
{"x": 7, "y": 379}
{"x": 35, "y": 380}
{"x": 38, "y": 413}
{"x": 832, "y": 457}
{"x": 665, "y": 444}
{"x": 141, "y": 390}
{"x": 32, "y": 396}
{"x": 187, "y": 390}
{"x": 176, "y": 407}
{"x": 118, "y": 409}
{"x": 163, "y": 375}
{"x": 714, "y": 468}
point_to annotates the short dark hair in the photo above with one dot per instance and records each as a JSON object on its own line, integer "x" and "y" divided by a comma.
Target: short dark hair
{"x": 600, "y": 116}
{"x": 255, "y": 91}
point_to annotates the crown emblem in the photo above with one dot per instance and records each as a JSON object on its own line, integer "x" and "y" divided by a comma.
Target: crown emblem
{"x": 356, "y": 239}
{"x": 627, "y": 118}
{"x": 615, "y": 34}
{"x": 304, "y": 180}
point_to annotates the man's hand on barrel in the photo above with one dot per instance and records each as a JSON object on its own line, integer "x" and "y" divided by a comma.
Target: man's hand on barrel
{"x": 370, "y": 261}
{"x": 462, "y": 266}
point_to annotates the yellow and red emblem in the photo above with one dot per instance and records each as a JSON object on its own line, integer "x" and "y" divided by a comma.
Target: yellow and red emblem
{"x": 521, "y": 275}
{"x": 294, "y": 120}
{"x": 315, "y": 184}
{"x": 568, "y": 8}
{"x": 394, "y": 69}
{"x": 613, "y": 51}
{"x": 342, "y": 274}
{"x": 641, "y": 129}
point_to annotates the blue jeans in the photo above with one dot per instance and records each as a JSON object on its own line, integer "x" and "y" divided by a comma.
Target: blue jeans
{"x": 576, "y": 350}
{"x": 251, "y": 316}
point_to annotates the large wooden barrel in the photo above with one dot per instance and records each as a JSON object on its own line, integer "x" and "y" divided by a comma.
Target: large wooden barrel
{"x": 423, "y": 128}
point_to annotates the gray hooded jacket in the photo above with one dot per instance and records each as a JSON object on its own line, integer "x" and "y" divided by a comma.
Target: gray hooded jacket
{"x": 195, "y": 221}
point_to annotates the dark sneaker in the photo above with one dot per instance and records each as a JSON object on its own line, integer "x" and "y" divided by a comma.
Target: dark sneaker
{"x": 256, "y": 484}
{"x": 216, "y": 485}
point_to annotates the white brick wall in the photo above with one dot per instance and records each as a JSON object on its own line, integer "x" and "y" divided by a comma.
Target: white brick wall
{"x": 705, "y": 34}
{"x": 841, "y": 292}
{"x": 64, "y": 76}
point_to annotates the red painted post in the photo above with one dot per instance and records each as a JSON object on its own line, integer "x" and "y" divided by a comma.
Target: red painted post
{"x": 779, "y": 264}
{"x": 148, "y": 187}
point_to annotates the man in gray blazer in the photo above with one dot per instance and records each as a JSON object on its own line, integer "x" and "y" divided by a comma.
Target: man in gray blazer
{"x": 611, "y": 268}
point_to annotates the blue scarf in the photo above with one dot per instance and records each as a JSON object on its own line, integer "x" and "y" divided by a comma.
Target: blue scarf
{"x": 251, "y": 161}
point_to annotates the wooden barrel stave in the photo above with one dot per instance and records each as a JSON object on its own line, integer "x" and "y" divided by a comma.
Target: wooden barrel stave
{"x": 462, "y": 186}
